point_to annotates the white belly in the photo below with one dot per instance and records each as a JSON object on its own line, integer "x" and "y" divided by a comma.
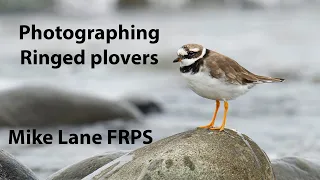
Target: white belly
{"x": 211, "y": 88}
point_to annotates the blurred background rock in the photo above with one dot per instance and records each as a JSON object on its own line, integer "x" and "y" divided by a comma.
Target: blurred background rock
{"x": 18, "y": 6}
{"x": 268, "y": 37}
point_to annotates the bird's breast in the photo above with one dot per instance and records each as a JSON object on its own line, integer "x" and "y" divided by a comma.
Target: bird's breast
{"x": 217, "y": 89}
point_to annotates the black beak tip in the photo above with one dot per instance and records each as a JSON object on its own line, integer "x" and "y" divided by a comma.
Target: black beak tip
{"x": 176, "y": 60}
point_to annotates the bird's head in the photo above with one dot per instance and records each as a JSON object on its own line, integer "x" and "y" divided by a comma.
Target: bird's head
{"x": 190, "y": 53}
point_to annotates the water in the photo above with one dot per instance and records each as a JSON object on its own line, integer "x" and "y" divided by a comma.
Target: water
{"x": 281, "y": 118}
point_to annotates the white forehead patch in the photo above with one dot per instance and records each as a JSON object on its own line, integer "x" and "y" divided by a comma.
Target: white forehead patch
{"x": 182, "y": 52}
{"x": 195, "y": 49}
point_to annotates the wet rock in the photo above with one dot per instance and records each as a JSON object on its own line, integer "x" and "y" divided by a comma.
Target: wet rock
{"x": 201, "y": 3}
{"x": 132, "y": 4}
{"x": 44, "y": 106}
{"x": 20, "y": 6}
{"x": 195, "y": 154}
{"x": 290, "y": 168}
{"x": 316, "y": 79}
{"x": 85, "y": 167}
{"x": 11, "y": 169}
{"x": 146, "y": 106}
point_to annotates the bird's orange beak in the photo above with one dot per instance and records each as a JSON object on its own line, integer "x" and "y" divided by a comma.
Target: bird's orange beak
{"x": 178, "y": 59}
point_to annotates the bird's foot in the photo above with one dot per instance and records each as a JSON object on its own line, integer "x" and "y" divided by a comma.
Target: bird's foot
{"x": 206, "y": 126}
{"x": 217, "y": 128}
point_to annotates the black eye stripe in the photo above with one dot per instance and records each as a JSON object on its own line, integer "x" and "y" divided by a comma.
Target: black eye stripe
{"x": 191, "y": 53}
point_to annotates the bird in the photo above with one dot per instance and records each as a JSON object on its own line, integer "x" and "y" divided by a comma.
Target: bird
{"x": 217, "y": 77}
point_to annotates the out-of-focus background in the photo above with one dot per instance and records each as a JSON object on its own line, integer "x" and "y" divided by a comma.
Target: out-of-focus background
{"x": 268, "y": 37}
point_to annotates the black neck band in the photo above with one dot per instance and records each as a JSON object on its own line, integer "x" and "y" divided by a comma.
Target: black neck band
{"x": 194, "y": 67}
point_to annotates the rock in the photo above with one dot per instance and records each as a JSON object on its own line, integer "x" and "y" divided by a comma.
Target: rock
{"x": 316, "y": 79}
{"x": 44, "y": 106}
{"x": 291, "y": 168}
{"x": 146, "y": 106}
{"x": 19, "y": 6}
{"x": 85, "y": 167}
{"x": 196, "y": 154}
{"x": 11, "y": 169}
{"x": 132, "y": 4}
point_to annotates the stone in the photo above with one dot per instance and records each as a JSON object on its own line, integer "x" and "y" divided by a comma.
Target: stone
{"x": 47, "y": 106}
{"x": 290, "y": 168}
{"x": 12, "y": 169}
{"x": 316, "y": 79}
{"x": 196, "y": 154}
{"x": 30, "y": 6}
{"x": 132, "y": 4}
{"x": 145, "y": 105}
{"x": 85, "y": 167}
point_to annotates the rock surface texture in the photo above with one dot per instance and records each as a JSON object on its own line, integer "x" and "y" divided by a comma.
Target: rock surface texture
{"x": 30, "y": 6}
{"x": 193, "y": 155}
{"x": 11, "y": 169}
{"x": 85, "y": 167}
{"x": 291, "y": 168}
{"x": 44, "y": 106}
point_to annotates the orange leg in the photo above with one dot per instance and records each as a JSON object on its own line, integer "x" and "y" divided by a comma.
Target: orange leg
{"x": 221, "y": 128}
{"x": 214, "y": 116}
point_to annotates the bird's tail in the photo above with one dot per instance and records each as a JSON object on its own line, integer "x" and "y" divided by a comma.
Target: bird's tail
{"x": 264, "y": 79}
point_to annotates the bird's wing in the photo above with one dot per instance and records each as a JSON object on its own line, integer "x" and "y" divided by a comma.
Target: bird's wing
{"x": 225, "y": 67}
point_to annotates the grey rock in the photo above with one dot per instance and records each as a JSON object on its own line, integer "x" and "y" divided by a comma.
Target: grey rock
{"x": 145, "y": 105}
{"x": 30, "y": 6}
{"x": 131, "y": 4}
{"x": 85, "y": 167}
{"x": 196, "y": 154}
{"x": 292, "y": 168}
{"x": 12, "y": 169}
{"x": 44, "y": 106}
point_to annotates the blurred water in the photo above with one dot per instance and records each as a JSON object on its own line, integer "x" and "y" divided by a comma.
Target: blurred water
{"x": 281, "y": 118}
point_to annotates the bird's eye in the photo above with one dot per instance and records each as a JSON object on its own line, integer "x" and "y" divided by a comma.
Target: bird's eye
{"x": 191, "y": 53}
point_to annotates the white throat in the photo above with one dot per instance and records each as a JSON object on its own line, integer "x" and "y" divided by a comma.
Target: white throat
{"x": 187, "y": 62}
